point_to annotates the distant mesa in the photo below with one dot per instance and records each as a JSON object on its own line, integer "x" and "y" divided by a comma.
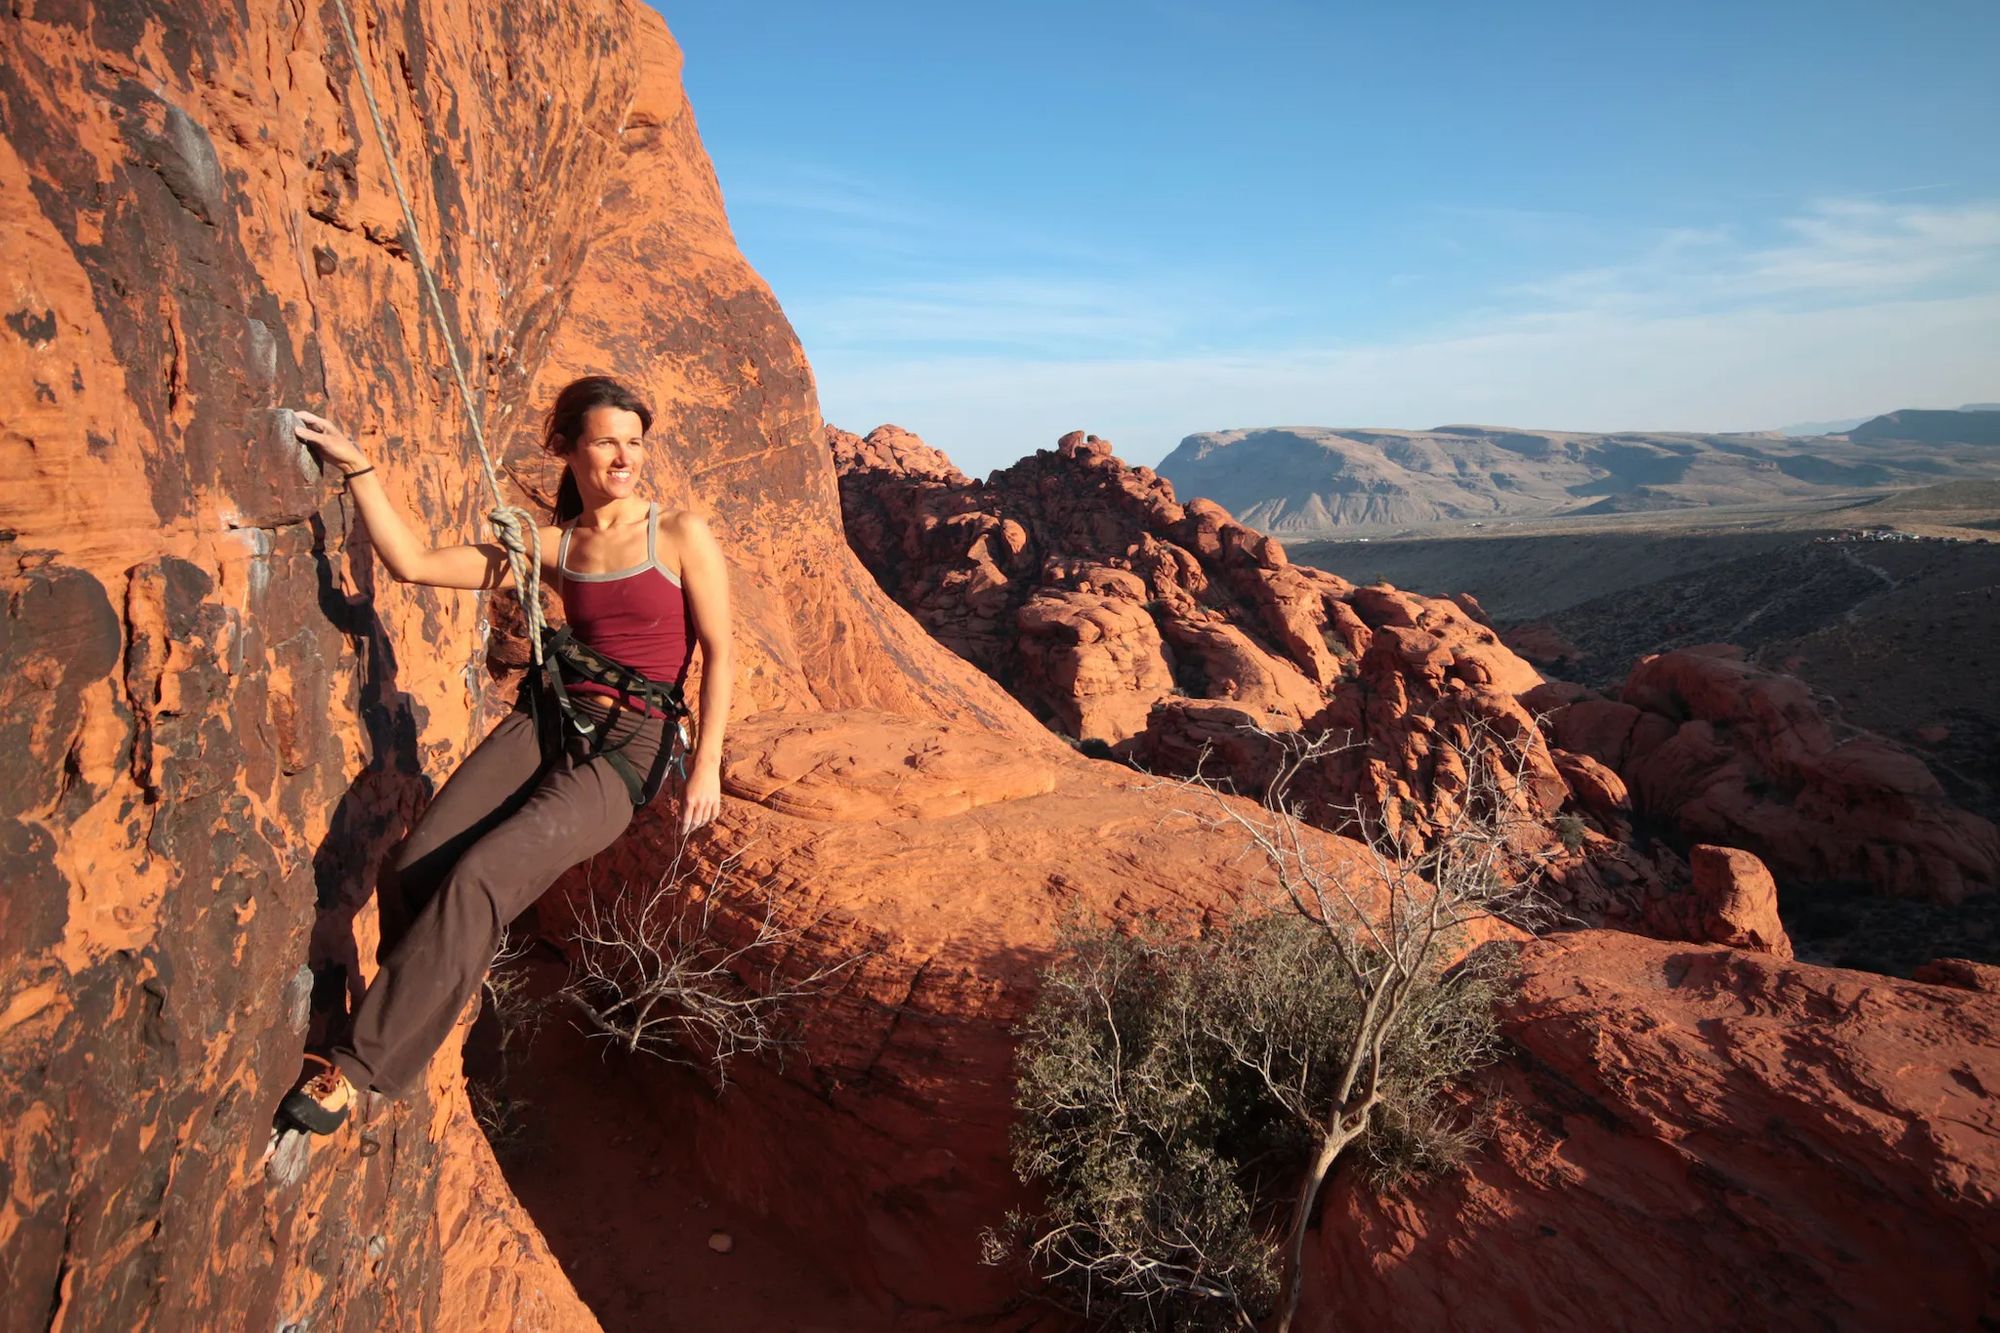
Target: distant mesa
{"x": 1977, "y": 423}
{"x": 1316, "y": 480}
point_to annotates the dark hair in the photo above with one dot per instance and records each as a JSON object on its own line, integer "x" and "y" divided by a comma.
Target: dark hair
{"x": 565, "y": 424}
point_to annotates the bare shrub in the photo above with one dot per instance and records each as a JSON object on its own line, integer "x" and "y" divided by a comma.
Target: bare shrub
{"x": 518, "y": 1015}
{"x": 500, "y": 1115}
{"x": 516, "y": 1010}
{"x": 653, "y": 972}
{"x": 1183, "y": 1099}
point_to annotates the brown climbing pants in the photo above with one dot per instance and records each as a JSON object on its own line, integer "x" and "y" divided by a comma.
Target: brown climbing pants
{"x": 501, "y": 830}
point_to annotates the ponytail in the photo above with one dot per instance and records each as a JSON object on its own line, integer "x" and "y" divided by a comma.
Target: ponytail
{"x": 569, "y": 500}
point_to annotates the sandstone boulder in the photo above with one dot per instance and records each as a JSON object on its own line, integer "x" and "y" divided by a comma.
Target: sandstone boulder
{"x": 1734, "y": 754}
{"x": 1735, "y": 901}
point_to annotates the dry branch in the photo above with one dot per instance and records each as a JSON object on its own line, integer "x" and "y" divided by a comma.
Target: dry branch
{"x": 655, "y": 970}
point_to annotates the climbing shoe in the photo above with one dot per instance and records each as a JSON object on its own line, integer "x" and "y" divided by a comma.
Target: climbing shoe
{"x": 321, "y": 1100}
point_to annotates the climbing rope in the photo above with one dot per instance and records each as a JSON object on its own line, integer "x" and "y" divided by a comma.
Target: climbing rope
{"x": 513, "y": 525}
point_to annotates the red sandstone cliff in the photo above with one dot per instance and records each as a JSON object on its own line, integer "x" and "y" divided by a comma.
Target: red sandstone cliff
{"x": 220, "y": 718}
{"x": 216, "y": 716}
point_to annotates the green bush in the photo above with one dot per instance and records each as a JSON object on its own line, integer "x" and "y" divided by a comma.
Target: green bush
{"x": 1572, "y": 830}
{"x": 1173, "y": 1090}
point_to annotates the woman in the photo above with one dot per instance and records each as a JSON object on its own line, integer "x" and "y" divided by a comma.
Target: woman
{"x": 639, "y": 587}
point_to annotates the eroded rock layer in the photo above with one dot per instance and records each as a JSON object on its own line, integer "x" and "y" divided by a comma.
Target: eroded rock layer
{"x": 1697, "y": 1137}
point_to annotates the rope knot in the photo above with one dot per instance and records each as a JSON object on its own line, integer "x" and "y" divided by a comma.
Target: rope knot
{"x": 516, "y": 529}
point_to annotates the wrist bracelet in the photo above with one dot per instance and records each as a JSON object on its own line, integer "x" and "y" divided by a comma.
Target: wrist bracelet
{"x": 350, "y": 476}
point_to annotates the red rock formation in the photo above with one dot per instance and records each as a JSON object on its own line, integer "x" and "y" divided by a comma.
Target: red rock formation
{"x": 206, "y": 773}
{"x": 945, "y": 858}
{"x": 1174, "y": 634}
{"x": 216, "y": 717}
{"x": 1698, "y": 1137}
{"x": 1735, "y": 754}
{"x": 1962, "y": 973}
{"x": 1542, "y": 644}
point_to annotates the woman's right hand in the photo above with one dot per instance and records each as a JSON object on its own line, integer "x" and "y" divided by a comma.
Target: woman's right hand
{"x": 329, "y": 442}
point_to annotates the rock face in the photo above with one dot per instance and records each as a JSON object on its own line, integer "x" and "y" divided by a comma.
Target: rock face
{"x": 1730, "y": 753}
{"x": 218, "y": 717}
{"x": 215, "y": 722}
{"x": 1698, "y": 1137}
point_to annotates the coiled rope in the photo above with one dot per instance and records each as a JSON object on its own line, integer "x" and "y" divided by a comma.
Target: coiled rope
{"x": 514, "y": 526}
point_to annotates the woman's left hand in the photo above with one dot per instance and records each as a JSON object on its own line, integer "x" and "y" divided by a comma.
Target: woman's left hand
{"x": 702, "y": 800}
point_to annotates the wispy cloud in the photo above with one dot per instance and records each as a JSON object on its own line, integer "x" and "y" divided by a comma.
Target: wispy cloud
{"x": 845, "y": 209}
{"x": 1087, "y": 317}
{"x": 1832, "y": 253}
{"x": 822, "y": 194}
{"x": 1844, "y": 308}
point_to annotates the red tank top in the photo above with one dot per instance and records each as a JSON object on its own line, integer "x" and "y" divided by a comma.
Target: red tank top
{"x": 637, "y": 616}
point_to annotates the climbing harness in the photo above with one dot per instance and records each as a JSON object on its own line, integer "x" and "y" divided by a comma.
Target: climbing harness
{"x": 559, "y": 659}
{"x": 566, "y": 659}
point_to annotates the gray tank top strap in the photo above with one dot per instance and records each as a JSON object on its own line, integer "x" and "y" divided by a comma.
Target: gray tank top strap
{"x": 652, "y": 546}
{"x": 562, "y": 552}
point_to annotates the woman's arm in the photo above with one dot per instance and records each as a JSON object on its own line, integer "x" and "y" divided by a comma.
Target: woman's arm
{"x": 706, "y": 579}
{"x": 407, "y": 558}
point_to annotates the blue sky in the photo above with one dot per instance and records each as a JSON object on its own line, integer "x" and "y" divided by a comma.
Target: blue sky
{"x": 994, "y": 224}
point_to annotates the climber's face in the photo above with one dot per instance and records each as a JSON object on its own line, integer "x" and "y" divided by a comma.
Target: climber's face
{"x": 609, "y": 454}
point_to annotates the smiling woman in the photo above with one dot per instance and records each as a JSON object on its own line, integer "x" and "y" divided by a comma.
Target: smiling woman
{"x": 641, "y": 589}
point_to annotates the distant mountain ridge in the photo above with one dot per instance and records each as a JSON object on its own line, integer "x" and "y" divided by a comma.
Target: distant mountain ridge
{"x": 1841, "y": 425}
{"x": 1301, "y": 480}
{"x": 1967, "y": 425}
